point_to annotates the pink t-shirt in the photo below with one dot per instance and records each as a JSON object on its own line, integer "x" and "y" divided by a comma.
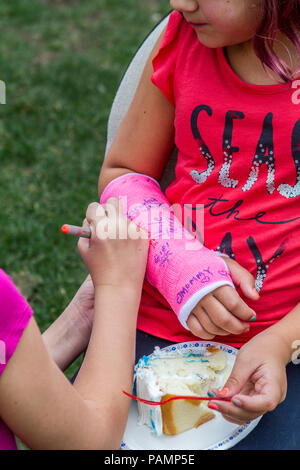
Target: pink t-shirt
{"x": 239, "y": 156}
{"x": 15, "y": 314}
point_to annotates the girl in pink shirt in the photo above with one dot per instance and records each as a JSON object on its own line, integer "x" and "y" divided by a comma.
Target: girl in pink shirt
{"x": 37, "y": 403}
{"x": 221, "y": 83}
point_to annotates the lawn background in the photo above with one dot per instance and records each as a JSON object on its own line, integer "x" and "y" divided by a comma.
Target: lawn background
{"x": 61, "y": 62}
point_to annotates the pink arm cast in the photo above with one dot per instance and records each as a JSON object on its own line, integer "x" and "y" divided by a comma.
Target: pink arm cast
{"x": 179, "y": 266}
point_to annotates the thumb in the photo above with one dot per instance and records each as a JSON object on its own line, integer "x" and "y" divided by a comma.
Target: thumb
{"x": 83, "y": 243}
{"x": 242, "y": 279}
{"x": 236, "y": 381}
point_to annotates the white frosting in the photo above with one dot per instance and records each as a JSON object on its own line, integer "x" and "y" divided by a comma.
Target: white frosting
{"x": 148, "y": 388}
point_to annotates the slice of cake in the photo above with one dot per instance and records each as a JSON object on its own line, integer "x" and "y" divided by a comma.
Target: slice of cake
{"x": 181, "y": 372}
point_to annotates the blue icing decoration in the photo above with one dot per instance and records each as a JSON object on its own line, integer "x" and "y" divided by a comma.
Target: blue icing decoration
{"x": 152, "y": 422}
{"x": 191, "y": 354}
{"x": 144, "y": 361}
{"x": 134, "y": 391}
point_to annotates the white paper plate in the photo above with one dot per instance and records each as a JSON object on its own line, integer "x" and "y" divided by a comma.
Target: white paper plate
{"x": 217, "y": 434}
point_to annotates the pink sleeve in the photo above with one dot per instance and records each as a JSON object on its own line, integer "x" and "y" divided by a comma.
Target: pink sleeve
{"x": 164, "y": 63}
{"x": 15, "y": 314}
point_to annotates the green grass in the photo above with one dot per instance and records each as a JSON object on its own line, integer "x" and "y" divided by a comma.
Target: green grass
{"x": 62, "y": 62}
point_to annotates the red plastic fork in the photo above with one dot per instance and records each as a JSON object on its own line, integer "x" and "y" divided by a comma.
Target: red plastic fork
{"x": 178, "y": 397}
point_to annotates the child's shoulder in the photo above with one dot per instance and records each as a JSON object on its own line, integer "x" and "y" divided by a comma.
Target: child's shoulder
{"x": 178, "y": 50}
{"x": 179, "y": 32}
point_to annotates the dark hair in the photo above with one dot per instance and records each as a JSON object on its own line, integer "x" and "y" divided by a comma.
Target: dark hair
{"x": 283, "y": 16}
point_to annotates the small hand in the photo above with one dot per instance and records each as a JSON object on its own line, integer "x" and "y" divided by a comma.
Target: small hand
{"x": 223, "y": 312}
{"x": 257, "y": 383}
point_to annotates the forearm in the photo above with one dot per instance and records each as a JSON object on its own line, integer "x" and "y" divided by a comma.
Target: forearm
{"x": 178, "y": 265}
{"x": 67, "y": 337}
{"x": 287, "y": 331}
{"x": 108, "y": 365}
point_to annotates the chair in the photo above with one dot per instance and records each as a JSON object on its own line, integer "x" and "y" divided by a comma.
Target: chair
{"x": 126, "y": 93}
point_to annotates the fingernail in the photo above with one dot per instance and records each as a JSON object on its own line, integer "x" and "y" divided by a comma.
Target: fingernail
{"x": 253, "y": 318}
{"x": 223, "y": 392}
{"x": 212, "y": 406}
{"x": 255, "y": 292}
{"x": 236, "y": 402}
{"x": 210, "y": 394}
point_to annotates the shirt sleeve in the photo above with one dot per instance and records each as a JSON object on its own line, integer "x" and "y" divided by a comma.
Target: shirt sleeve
{"x": 164, "y": 63}
{"x": 15, "y": 314}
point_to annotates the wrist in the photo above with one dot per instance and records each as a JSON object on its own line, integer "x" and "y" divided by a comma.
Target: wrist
{"x": 77, "y": 321}
{"x": 117, "y": 302}
{"x": 128, "y": 290}
{"x": 283, "y": 344}
{"x": 119, "y": 282}
{"x": 68, "y": 336}
{"x": 276, "y": 343}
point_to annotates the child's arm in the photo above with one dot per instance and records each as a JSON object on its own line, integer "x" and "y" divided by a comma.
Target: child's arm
{"x": 145, "y": 138}
{"x": 36, "y": 400}
{"x": 142, "y": 145}
{"x": 258, "y": 380}
{"x": 68, "y": 336}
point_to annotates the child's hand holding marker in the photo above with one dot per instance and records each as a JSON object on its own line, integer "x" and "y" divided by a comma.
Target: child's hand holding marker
{"x": 111, "y": 246}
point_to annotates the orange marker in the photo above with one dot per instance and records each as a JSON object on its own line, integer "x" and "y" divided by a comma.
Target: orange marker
{"x": 84, "y": 232}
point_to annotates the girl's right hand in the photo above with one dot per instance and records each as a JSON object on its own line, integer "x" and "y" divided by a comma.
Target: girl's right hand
{"x": 258, "y": 381}
{"x": 223, "y": 311}
{"x": 116, "y": 253}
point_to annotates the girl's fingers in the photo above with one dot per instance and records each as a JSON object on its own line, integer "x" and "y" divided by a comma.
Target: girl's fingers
{"x": 231, "y": 300}
{"x": 84, "y": 243}
{"x": 197, "y": 329}
{"x": 257, "y": 403}
{"x": 85, "y": 223}
{"x": 247, "y": 407}
{"x": 234, "y": 413}
{"x": 113, "y": 207}
{"x": 242, "y": 278}
{"x": 234, "y": 420}
{"x": 95, "y": 212}
{"x": 222, "y": 317}
{"x": 206, "y": 322}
